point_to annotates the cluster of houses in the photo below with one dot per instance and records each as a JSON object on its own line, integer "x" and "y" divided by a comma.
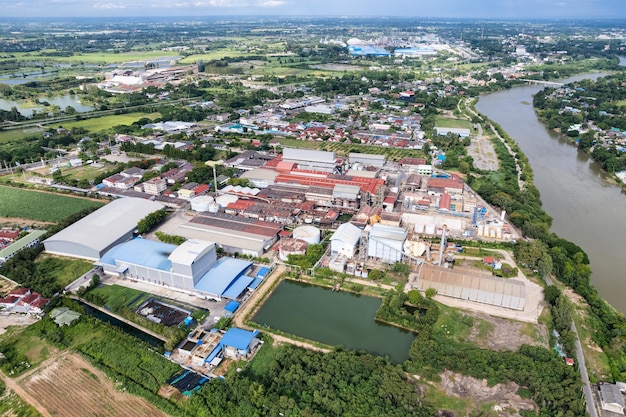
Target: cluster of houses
{"x": 22, "y": 300}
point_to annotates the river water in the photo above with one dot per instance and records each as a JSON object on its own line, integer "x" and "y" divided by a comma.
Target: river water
{"x": 586, "y": 208}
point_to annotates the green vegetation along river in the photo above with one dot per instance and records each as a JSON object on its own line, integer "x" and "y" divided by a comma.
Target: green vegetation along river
{"x": 334, "y": 318}
{"x": 586, "y": 208}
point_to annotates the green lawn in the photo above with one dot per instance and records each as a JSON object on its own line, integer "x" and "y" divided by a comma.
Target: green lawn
{"x": 17, "y": 134}
{"x": 40, "y": 206}
{"x": 454, "y": 123}
{"x": 116, "y": 296}
{"x": 97, "y": 124}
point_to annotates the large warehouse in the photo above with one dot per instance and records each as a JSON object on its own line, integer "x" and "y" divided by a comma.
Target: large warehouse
{"x": 192, "y": 266}
{"x": 232, "y": 233}
{"x": 91, "y": 236}
{"x": 501, "y": 292}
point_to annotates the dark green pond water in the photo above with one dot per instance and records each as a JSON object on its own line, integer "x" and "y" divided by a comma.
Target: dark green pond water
{"x": 333, "y": 318}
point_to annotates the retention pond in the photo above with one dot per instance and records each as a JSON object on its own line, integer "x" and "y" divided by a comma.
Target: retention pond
{"x": 334, "y": 318}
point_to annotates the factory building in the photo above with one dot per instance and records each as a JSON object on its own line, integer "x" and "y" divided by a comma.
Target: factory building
{"x": 93, "y": 235}
{"x": 386, "y": 243}
{"x": 192, "y": 267}
{"x": 307, "y": 159}
{"x": 367, "y": 159}
{"x": 344, "y": 241}
{"x": 231, "y": 233}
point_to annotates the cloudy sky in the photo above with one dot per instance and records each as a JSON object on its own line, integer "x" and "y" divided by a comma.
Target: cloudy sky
{"x": 421, "y": 8}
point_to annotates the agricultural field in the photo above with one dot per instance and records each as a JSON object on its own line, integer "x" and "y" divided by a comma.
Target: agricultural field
{"x": 92, "y": 393}
{"x": 17, "y": 134}
{"x": 97, "y": 124}
{"x": 13, "y": 406}
{"x": 219, "y": 54}
{"x": 101, "y": 57}
{"x": 40, "y": 206}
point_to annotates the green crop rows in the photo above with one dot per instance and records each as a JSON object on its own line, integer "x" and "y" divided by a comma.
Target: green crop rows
{"x": 39, "y": 206}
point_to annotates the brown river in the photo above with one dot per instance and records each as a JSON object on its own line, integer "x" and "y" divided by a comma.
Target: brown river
{"x": 586, "y": 207}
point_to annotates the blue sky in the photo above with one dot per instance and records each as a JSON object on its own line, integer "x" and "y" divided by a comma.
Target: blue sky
{"x": 509, "y": 9}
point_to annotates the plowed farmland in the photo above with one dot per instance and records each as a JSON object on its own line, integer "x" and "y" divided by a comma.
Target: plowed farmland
{"x": 70, "y": 386}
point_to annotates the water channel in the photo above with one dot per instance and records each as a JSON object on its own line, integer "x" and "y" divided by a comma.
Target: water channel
{"x": 333, "y": 318}
{"x": 586, "y": 207}
{"x": 126, "y": 328}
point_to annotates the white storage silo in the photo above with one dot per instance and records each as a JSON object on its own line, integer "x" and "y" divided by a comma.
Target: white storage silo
{"x": 310, "y": 234}
{"x": 202, "y": 203}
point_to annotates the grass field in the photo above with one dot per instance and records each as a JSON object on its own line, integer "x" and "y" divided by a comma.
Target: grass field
{"x": 97, "y": 124}
{"x": 85, "y": 172}
{"x": 454, "y": 123}
{"x": 40, "y": 206}
{"x": 104, "y": 57}
{"x": 116, "y": 296}
{"x": 12, "y": 405}
{"x": 17, "y": 134}
{"x": 219, "y": 54}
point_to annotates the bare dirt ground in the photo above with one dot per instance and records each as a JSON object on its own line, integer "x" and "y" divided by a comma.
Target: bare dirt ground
{"x": 17, "y": 222}
{"x": 508, "y": 334}
{"x": 507, "y": 402}
{"x": 7, "y": 320}
{"x": 481, "y": 149}
{"x": 69, "y": 386}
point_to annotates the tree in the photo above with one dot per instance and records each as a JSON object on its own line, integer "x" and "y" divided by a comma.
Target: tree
{"x": 430, "y": 293}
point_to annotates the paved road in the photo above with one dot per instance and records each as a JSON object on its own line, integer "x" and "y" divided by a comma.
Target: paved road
{"x": 591, "y": 405}
{"x": 582, "y": 367}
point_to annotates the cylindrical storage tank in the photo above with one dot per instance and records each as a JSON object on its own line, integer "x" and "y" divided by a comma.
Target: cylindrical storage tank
{"x": 481, "y": 230}
{"x": 419, "y": 228}
{"x": 226, "y": 199}
{"x": 214, "y": 207}
{"x": 430, "y": 229}
{"x": 201, "y": 203}
{"x": 310, "y": 234}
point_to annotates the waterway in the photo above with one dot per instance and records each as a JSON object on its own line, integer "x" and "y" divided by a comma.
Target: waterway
{"x": 587, "y": 208}
{"x": 126, "y": 328}
{"x": 61, "y": 101}
{"x": 334, "y": 318}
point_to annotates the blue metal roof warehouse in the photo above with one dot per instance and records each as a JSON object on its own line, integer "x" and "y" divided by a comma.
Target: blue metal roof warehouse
{"x": 192, "y": 266}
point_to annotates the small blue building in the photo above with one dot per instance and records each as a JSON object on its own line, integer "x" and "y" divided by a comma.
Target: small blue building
{"x": 239, "y": 343}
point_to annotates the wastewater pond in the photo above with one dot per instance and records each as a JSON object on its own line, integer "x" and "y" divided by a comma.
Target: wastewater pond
{"x": 334, "y": 318}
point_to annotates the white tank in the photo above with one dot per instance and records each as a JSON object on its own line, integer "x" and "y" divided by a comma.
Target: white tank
{"x": 429, "y": 229}
{"x": 214, "y": 207}
{"x": 310, "y": 234}
{"x": 226, "y": 199}
{"x": 419, "y": 228}
{"x": 202, "y": 203}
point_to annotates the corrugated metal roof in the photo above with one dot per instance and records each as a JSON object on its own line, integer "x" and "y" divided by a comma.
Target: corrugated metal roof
{"x": 382, "y": 231}
{"x": 222, "y": 276}
{"x": 238, "y": 338}
{"x": 144, "y": 252}
{"x": 103, "y": 227}
{"x": 190, "y": 250}
{"x": 496, "y": 291}
{"x": 292, "y": 154}
{"x": 237, "y": 224}
{"x": 348, "y": 233}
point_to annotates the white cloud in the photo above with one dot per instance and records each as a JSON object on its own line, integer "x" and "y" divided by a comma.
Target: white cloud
{"x": 109, "y": 6}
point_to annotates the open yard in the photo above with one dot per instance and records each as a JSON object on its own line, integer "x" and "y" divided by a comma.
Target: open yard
{"x": 92, "y": 393}
{"x": 454, "y": 123}
{"x": 40, "y": 206}
{"x": 97, "y": 124}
